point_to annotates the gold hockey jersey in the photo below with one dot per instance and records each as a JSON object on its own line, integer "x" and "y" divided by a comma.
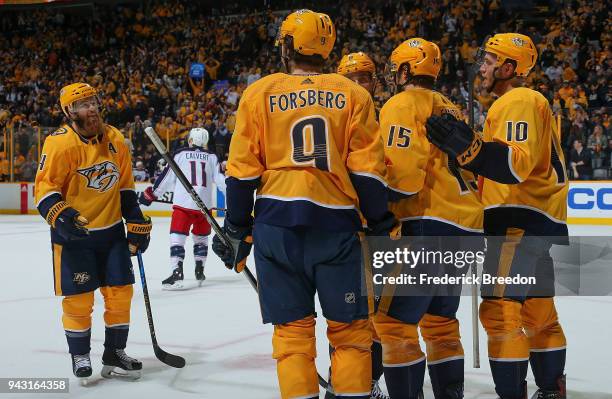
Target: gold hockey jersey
{"x": 305, "y": 138}
{"x": 432, "y": 186}
{"x": 88, "y": 173}
{"x": 522, "y": 120}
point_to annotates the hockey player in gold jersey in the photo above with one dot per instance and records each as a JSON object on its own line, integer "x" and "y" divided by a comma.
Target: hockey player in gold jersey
{"x": 84, "y": 189}
{"x": 308, "y": 143}
{"x": 360, "y": 68}
{"x": 524, "y": 194}
{"x": 433, "y": 198}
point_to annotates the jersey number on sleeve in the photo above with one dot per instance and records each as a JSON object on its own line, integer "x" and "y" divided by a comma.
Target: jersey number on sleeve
{"x": 403, "y": 136}
{"x": 194, "y": 174}
{"x": 516, "y": 132}
{"x": 41, "y": 164}
{"x": 309, "y": 140}
{"x": 557, "y": 164}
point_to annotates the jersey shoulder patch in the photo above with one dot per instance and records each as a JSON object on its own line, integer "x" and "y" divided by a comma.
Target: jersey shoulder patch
{"x": 442, "y": 105}
{"x": 60, "y": 131}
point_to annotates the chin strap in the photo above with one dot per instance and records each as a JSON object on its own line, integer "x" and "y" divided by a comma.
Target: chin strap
{"x": 285, "y": 62}
{"x": 496, "y": 80}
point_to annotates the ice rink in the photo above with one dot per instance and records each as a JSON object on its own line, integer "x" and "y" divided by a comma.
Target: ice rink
{"x": 218, "y": 329}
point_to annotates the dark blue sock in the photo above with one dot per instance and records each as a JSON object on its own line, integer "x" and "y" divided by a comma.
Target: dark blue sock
{"x": 405, "y": 382}
{"x": 78, "y": 341}
{"x": 509, "y": 378}
{"x": 547, "y": 367}
{"x": 176, "y": 251}
{"x": 200, "y": 250}
{"x": 444, "y": 374}
{"x": 377, "y": 367}
{"x": 116, "y": 337}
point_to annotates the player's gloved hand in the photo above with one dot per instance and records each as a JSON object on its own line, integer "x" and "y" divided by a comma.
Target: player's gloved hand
{"x": 138, "y": 234}
{"x": 240, "y": 240}
{"x": 389, "y": 225}
{"x": 453, "y": 137}
{"x": 147, "y": 196}
{"x": 67, "y": 222}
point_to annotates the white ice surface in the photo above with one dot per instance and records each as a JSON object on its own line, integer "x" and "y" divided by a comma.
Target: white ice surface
{"x": 218, "y": 329}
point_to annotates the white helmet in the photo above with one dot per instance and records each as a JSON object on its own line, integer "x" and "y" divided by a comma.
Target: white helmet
{"x": 198, "y": 137}
{"x": 161, "y": 164}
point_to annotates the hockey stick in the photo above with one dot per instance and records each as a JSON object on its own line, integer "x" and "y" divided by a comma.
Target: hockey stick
{"x": 474, "y": 266}
{"x": 163, "y": 356}
{"x": 214, "y": 208}
{"x": 161, "y": 148}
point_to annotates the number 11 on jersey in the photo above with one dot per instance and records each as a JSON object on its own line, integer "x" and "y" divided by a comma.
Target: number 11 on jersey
{"x": 194, "y": 175}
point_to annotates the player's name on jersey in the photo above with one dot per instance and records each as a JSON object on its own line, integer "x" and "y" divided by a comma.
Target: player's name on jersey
{"x": 306, "y": 98}
{"x": 196, "y": 155}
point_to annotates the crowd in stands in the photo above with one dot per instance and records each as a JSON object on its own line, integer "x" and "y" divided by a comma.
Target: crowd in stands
{"x": 182, "y": 65}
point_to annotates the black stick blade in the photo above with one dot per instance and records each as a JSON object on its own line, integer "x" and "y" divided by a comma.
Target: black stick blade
{"x": 168, "y": 358}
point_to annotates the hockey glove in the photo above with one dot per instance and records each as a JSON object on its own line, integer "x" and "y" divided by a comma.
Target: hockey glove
{"x": 388, "y": 226}
{"x": 240, "y": 240}
{"x": 147, "y": 197}
{"x": 67, "y": 222}
{"x": 453, "y": 137}
{"x": 138, "y": 234}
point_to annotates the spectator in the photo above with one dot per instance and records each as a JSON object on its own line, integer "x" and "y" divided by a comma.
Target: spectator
{"x": 565, "y": 91}
{"x": 4, "y": 168}
{"x": 143, "y": 58}
{"x": 212, "y": 67}
{"x": 608, "y": 154}
{"x": 28, "y": 169}
{"x": 580, "y": 161}
{"x": 253, "y": 76}
{"x": 140, "y": 174}
{"x": 568, "y": 73}
{"x": 554, "y": 72}
{"x": 222, "y": 141}
{"x": 18, "y": 162}
{"x": 597, "y": 139}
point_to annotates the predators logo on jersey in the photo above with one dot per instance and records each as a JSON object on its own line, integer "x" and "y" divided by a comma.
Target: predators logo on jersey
{"x": 101, "y": 176}
{"x": 88, "y": 174}
{"x": 81, "y": 278}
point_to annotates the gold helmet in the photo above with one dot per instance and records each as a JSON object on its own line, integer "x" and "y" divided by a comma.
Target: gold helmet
{"x": 356, "y": 62}
{"x": 312, "y": 32}
{"x": 423, "y": 57}
{"x": 74, "y": 92}
{"x": 513, "y": 46}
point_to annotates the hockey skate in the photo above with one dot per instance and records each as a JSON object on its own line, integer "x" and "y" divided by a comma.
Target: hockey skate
{"x": 175, "y": 281}
{"x": 524, "y": 395}
{"x": 117, "y": 364}
{"x": 199, "y": 272}
{"x": 377, "y": 393}
{"x": 558, "y": 394}
{"x": 81, "y": 367}
{"x": 454, "y": 391}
